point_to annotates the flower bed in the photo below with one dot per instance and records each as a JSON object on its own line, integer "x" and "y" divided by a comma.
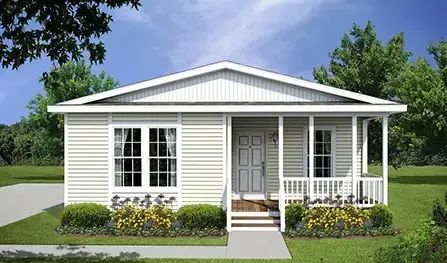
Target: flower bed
{"x": 142, "y": 218}
{"x": 340, "y": 221}
{"x": 162, "y": 232}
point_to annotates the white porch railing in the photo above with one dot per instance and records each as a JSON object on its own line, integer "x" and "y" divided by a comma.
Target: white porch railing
{"x": 369, "y": 189}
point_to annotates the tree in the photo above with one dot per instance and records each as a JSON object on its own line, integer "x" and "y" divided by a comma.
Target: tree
{"x": 59, "y": 29}
{"x": 363, "y": 64}
{"x": 70, "y": 81}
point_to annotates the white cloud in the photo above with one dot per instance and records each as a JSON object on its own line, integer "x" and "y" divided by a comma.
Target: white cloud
{"x": 198, "y": 32}
{"x": 236, "y": 30}
{"x": 132, "y": 15}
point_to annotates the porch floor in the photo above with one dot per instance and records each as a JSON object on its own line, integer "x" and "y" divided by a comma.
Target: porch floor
{"x": 254, "y": 205}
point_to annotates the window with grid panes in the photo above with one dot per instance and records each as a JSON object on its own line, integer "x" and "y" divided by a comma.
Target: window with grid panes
{"x": 127, "y": 154}
{"x": 322, "y": 153}
{"x": 162, "y": 157}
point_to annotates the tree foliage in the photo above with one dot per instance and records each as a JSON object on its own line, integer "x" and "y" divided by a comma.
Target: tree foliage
{"x": 38, "y": 139}
{"x": 363, "y": 64}
{"x": 59, "y": 29}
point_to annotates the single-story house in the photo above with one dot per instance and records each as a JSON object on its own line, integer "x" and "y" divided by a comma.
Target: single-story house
{"x": 226, "y": 134}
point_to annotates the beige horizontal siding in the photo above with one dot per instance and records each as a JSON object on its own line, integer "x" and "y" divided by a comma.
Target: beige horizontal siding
{"x": 135, "y": 118}
{"x": 202, "y": 158}
{"x": 87, "y": 158}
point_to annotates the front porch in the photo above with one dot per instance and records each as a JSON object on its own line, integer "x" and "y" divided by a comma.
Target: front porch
{"x": 269, "y": 161}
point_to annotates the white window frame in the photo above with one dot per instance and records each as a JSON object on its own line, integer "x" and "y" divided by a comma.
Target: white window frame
{"x": 145, "y": 173}
{"x": 333, "y": 129}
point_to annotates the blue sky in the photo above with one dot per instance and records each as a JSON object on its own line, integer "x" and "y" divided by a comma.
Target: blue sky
{"x": 291, "y": 37}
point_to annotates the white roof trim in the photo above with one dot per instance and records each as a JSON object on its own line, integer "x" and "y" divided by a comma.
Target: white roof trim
{"x": 365, "y": 108}
{"x": 231, "y": 66}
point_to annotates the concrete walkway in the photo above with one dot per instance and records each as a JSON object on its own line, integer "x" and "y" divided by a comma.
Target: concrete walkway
{"x": 20, "y": 201}
{"x": 241, "y": 245}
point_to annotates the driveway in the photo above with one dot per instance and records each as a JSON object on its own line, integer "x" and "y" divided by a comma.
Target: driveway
{"x": 20, "y": 201}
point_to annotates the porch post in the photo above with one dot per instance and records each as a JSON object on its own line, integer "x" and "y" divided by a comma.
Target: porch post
{"x": 385, "y": 158}
{"x": 354, "y": 156}
{"x": 229, "y": 172}
{"x": 281, "y": 172}
{"x": 365, "y": 146}
{"x": 311, "y": 156}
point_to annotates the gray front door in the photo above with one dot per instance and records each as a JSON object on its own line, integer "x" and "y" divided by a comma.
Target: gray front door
{"x": 250, "y": 165}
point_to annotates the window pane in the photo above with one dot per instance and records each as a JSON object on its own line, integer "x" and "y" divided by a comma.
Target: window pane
{"x": 128, "y": 149}
{"x": 163, "y": 165}
{"x": 119, "y": 165}
{"x": 162, "y": 149}
{"x": 137, "y": 165}
{"x": 172, "y": 179}
{"x": 327, "y": 173}
{"x": 118, "y": 135}
{"x": 318, "y": 172}
{"x": 172, "y": 165}
{"x": 153, "y": 165}
{"x": 153, "y": 150}
{"x": 318, "y": 136}
{"x": 172, "y": 135}
{"x": 152, "y": 135}
{"x": 318, "y": 148}
{"x": 137, "y": 179}
{"x": 327, "y": 136}
{"x": 327, "y": 161}
{"x": 136, "y": 149}
{"x": 127, "y": 165}
{"x": 318, "y": 161}
{"x": 163, "y": 179}
{"x": 118, "y": 179}
{"x": 127, "y": 135}
{"x": 153, "y": 179}
{"x": 327, "y": 148}
{"x": 162, "y": 133}
{"x": 118, "y": 149}
{"x": 127, "y": 179}
{"x": 171, "y": 149}
{"x": 136, "y": 135}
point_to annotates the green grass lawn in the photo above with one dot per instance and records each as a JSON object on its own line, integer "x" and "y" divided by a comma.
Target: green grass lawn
{"x": 31, "y": 174}
{"x": 412, "y": 191}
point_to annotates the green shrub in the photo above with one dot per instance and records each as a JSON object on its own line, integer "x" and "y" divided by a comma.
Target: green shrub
{"x": 202, "y": 216}
{"x": 85, "y": 215}
{"x": 439, "y": 213}
{"x": 294, "y": 214}
{"x": 426, "y": 244}
{"x": 381, "y": 216}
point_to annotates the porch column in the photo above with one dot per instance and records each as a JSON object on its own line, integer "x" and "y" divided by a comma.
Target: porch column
{"x": 354, "y": 156}
{"x": 385, "y": 158}
{"x": 281, "y": 172}
{"x": 365, "y": 146}
{"x": 311, "y": 156}
{"x": 229, "y": 172}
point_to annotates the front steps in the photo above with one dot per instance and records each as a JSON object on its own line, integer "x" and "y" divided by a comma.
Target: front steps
{"x": 255, "y": 221}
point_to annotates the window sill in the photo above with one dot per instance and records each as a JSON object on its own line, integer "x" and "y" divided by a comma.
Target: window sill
{"x": 150, "y": 190}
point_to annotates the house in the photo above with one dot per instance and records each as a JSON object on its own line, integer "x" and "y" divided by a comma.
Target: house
{"x": 225, "y": 134}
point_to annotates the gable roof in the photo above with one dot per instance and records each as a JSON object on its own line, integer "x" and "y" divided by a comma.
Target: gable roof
{"x": 227, "y": 65}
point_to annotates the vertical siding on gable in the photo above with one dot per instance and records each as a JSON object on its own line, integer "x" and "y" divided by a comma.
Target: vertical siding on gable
{"x": 87, "y": 158}
{"x": 202, "y": 158}
{"x": 226, "y": 86}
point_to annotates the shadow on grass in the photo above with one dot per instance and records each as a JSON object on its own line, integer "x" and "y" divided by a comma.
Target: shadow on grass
{"x": 64, "y": 253}
{"x": 436, "y": 179}
{"x": 59, "y": 177}
{"x": 55, "y": 210}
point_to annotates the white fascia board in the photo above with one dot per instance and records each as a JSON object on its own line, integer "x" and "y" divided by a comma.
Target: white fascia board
{"x": 390, "y": 108}
{"x": 231, "y": 66}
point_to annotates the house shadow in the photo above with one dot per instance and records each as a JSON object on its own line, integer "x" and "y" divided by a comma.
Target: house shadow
{"x": 435, "y": 179}
{"x": 69, "y": 251}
